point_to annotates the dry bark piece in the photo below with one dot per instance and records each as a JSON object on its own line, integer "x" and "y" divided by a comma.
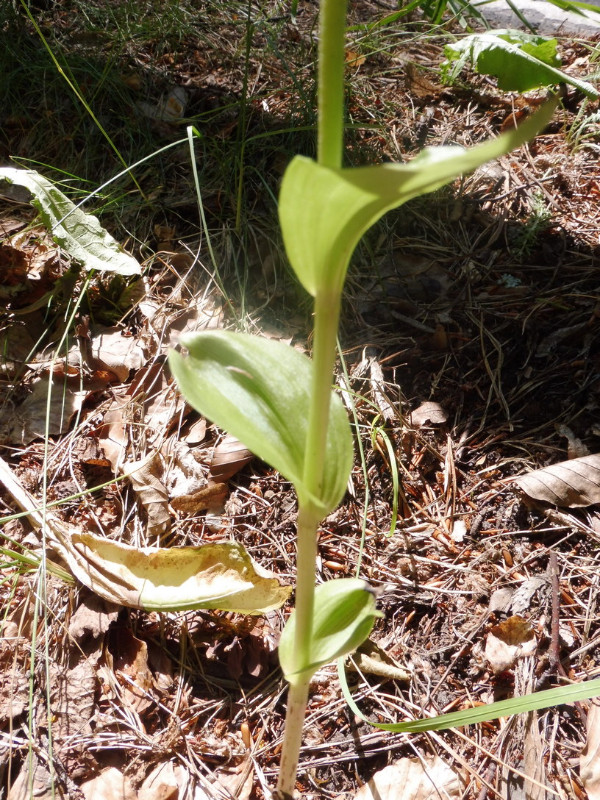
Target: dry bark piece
{"x": 229, "y": 457}
{"x": 569, "y": 484}
{"x": 414, "y": 779}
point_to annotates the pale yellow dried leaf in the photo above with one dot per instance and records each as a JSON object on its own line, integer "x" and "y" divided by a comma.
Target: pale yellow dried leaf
{"x": 414, "y": 779}
{"x": 219, "y": 576}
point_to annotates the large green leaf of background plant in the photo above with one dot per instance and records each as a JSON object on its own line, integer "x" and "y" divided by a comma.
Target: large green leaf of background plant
{"x": 259, "y": 391}
{"x": 324, "y": 212}
{"x": 78, "y": 233}
{"x": 520, "y": 61}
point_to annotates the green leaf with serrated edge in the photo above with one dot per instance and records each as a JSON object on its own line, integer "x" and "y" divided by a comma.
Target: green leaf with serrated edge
{"x": 324, "y": 212}
{"x": 472, "y": 716}
{"x": 344, "y": 613}
{"x": 520, "y": 61}
{"x": 78, "y": 233}
{"x": 217, "y": 576}
{"x": 259, "y": 391}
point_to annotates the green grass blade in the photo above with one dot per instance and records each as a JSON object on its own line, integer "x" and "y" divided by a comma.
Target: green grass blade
{"x": 472, "y": 716}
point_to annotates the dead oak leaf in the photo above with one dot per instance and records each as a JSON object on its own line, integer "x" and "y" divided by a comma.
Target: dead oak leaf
{"x": 569, "y": 484}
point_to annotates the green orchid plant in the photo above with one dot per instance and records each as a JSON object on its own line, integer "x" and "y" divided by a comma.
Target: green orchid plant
{"x": 281, "y": 404}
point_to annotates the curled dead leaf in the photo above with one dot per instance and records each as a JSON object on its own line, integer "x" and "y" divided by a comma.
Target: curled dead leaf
{"x": 507, "y": 642}
{"x": 229, "y": 457}
{"x": 569, "y": 484}
{"x": 146, "y": 477}
{"x": 428, "y": 413}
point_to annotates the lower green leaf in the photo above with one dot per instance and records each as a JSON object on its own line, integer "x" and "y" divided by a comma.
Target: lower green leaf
{"x": 344, "y": 614}
{"x": 259, "y": 391}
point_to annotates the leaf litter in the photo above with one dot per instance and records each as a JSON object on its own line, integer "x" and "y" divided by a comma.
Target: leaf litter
{"x": 470, "y": 331}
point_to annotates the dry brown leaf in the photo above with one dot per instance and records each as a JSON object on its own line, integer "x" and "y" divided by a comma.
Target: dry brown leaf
{"x": 186, "y": 471}
{"x": 72, "y": 698}
{"x": 26, "y": 422}
{"x": 212, "y": 496}
{"x": 17, "y": 346}
{"x": 112, "y": 436}
{"x": 33, "y": 781}
{"x": 569, "y": 484}
{"x": 413, "y": 779}
{"x": 92, "y": 619}
{"x": 111, "y": 784}
{"x": 237, "y": 780}
{"x": 167, "y": 781}
{"x": 507, "y": 642}
{"x": 146, "y": 477}
{"x": 130, "y": 665}
{"x": 428, "y": 413}
{"x": 589, "y": 769}
{"x": 229, "y": 457}
{"x": 575, "y": 447}
{"x": 162, "y": 404}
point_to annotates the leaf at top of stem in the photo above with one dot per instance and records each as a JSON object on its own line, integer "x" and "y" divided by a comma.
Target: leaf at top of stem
{"x": 344, "y": 614}
{"x": 259, "y": 391}
{"x": 325, "y": 212}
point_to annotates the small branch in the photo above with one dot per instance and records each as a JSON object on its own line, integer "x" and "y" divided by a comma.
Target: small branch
{"x": 554, "y": 651}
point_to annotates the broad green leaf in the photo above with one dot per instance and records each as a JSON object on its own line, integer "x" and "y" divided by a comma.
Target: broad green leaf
{"x": 472, "y": 716}
{"x": 324, "y": 212}
{"x": 259, "y": 391}
{"x": 78, "y": 233}
{"x": 343, "y": 618}
{"x": 218, "y": 576}
{"x": 520, "y": 61}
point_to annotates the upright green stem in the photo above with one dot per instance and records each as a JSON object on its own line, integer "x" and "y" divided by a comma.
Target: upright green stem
{"x": 326, "y": 320}
{"x": 330, "y": 142}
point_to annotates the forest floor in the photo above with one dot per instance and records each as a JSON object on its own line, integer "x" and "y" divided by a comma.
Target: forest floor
{"x": 470, "y": 358}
